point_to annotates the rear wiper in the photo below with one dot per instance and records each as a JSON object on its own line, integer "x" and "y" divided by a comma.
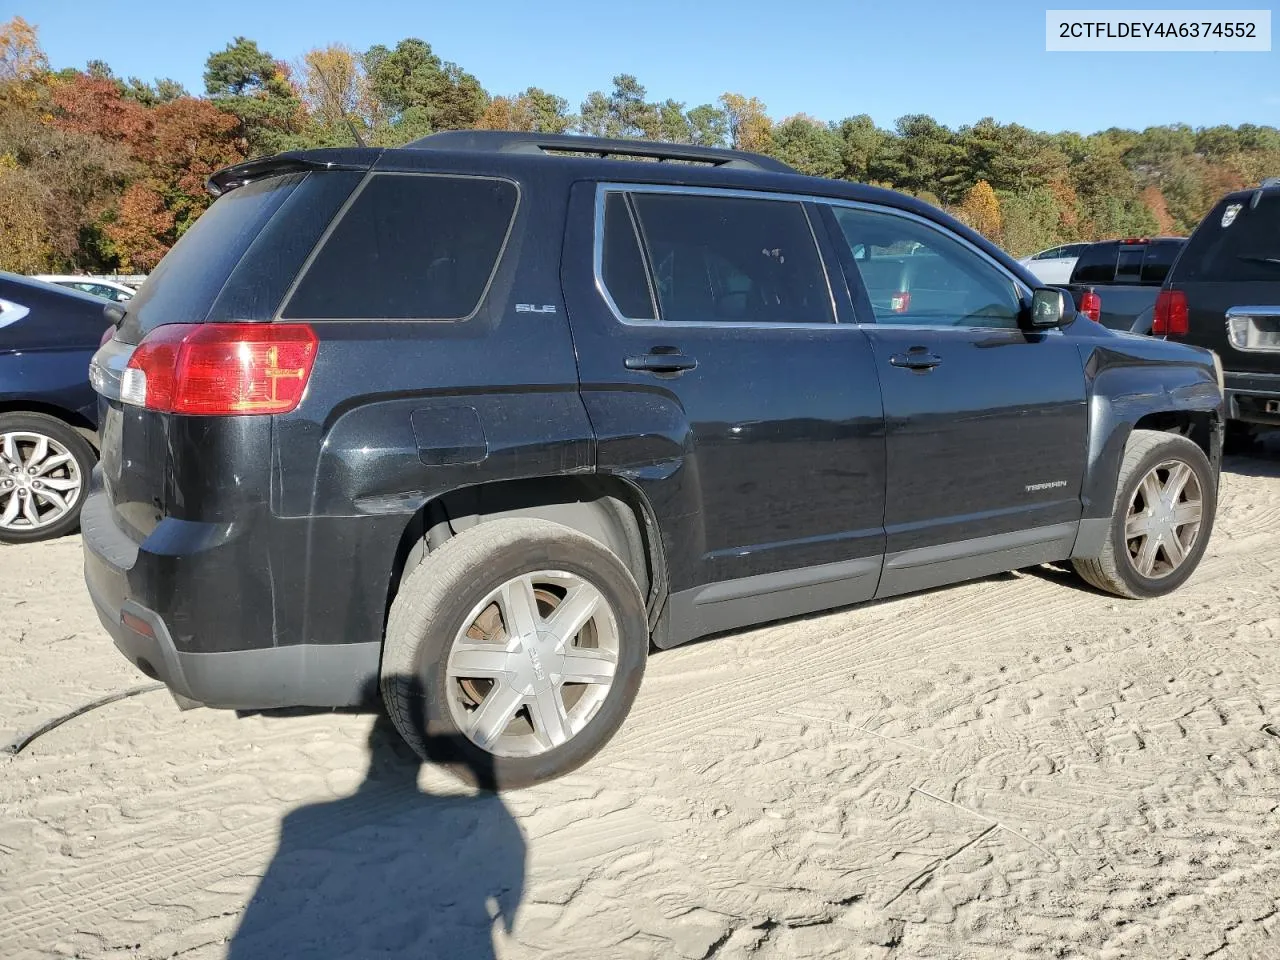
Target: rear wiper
{"x": 1274, "y": 261}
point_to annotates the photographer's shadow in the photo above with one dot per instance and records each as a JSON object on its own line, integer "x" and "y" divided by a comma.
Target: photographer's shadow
{"x": 389, "y": 871}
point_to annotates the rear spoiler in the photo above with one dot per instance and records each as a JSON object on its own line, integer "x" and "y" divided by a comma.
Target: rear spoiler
{"x": 301, "y": 161}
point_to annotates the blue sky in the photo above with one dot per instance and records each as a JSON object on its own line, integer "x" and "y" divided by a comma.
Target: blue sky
{"x": 831, "y": 58}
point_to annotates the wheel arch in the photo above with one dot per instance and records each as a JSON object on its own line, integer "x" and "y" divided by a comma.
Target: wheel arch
{"x": 77, "y": 421}
{"x": 608, "y": 509}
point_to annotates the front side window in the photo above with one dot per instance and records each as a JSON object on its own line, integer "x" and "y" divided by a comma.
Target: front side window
{"x": 916, "y": 274}
{"x": 715, "y": 259}
{"x": 410, "y": 247}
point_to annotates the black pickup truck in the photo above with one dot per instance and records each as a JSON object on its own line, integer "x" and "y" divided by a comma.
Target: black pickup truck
{"x": 1115, "y": 282}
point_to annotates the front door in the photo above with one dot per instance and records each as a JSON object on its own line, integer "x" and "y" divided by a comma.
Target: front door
{"x": 719, "y": 381}
{"x": 987, "y": 423}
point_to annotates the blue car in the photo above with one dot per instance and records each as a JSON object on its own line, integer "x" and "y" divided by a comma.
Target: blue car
{"x": 48, "y": 410}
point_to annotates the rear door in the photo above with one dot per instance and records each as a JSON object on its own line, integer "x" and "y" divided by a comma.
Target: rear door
{"x": 986, "y": 423}
{"x": 1230, "y": 274}
{"x": 718, "y": 379}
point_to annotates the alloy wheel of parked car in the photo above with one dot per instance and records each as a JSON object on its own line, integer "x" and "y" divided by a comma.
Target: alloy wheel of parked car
{"x": 1164, "y": 519}
{"x": 514, "y": 651}
{"x": 44, "y": 465}
{"x": 533, "y": 663}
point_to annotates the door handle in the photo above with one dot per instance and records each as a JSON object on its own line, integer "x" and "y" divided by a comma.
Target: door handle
{"x": 661, "y": 363}
{"x": 915, "y": 361}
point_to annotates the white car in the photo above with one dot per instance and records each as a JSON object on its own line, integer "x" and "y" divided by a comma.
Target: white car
{"x": 106, "y": 289}
{"x": 1055, "y": 264}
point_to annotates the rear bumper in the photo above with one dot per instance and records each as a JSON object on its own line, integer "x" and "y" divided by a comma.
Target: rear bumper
{"x": 1249, "y": 395}
{"x": 128, "y": 583}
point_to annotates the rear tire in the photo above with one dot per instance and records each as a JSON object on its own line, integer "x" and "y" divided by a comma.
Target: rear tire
{"x": 48, "y": 481}
{"x": 462, "y": 610}
{"x": 1149, "y": 531}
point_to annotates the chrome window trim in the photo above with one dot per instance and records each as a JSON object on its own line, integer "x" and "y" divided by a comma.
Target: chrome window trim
{"x": 341, "y": 215}
{"x": 1246, "y": 312}
{"x": 603, "y": 189}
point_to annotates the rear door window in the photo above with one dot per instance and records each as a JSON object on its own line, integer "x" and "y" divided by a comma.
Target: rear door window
{"x": 1236, "y": 242}
{"x": 409, "y": 247}
{"x": 728, "y": 259}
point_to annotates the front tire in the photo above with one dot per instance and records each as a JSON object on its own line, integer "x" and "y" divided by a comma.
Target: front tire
{"x": 44, "y": 477}
{"x": 514, "y": 652}
{"x": 1166, "y": 499}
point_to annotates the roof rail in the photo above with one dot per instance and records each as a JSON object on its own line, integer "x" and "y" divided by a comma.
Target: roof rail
{"x": 503, "y": 141}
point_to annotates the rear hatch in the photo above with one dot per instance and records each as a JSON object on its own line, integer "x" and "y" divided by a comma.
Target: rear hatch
{"x": 1229, "y": 275}
{"x": 234, "y": 266}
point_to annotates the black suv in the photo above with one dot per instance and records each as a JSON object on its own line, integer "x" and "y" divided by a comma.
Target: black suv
{"x": 479, "y": 419}
{"x": 1224, "y": 294}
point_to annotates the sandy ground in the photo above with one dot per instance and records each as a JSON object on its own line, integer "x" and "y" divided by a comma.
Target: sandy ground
{"x": 1014, "y": 767}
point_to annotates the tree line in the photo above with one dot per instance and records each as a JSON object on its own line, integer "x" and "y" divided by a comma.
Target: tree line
{"x": 103, "y": 173}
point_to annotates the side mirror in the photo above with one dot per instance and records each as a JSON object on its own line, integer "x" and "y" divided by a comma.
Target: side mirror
{"x": 1050, "y": 308}
{"x": 114, "y": 313}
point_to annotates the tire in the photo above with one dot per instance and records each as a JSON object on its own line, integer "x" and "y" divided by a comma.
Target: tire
{"x": 441, "y": 611}
{"x": 20, "y": 434}
{"x": 1115, "y": 569}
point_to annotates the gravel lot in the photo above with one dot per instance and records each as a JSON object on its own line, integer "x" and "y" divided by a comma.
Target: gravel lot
{"x": 1014, "y": 767}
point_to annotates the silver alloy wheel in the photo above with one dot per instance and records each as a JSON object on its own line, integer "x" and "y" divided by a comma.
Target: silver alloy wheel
{"x": 1164, "y": 519}
{"x": 40, "y": 481}
{"x": 532, "y": 664}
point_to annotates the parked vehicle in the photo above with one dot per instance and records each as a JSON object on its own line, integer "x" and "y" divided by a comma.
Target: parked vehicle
{"x": 477, "y": 420}
{"x": 48, "y": 410}
{"x": 1116, "y": 282}
{"x": 95, "y": 286}
{"x": 1224, "y": 294}
{"x": 1054, "y": 266}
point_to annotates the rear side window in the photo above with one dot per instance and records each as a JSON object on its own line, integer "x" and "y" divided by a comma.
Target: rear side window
{"x": 410, "y": 247}
{"x": 1236, "y": 242}
{"x": 725, "y": 259}
{"x": 1097, "y": 264}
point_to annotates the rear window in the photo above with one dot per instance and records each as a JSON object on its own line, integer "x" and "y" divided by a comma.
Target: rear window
{"x": 1128, "y": 263}
{"x": 1236, "y": 242}
{"x": 238, "y": 260}
{"x": 410, "y": 247}
{"x": 1097, "y": 264}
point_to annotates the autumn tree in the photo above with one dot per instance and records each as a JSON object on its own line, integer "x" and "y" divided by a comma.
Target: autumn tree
{"x": 1154, "y": 201}
{"x": 21, "y": 58}
{"x": 748, "y": 123}
{"x": 980, "y": 209}
{"x": 534, "y": 111}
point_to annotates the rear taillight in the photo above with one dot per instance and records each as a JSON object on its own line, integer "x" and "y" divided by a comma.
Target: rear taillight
{"x": 214, "y": 369}
{"x": 1170, "y": 317}
{"x": 1091, "y": 305}
{"x": 900, "y": 302}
